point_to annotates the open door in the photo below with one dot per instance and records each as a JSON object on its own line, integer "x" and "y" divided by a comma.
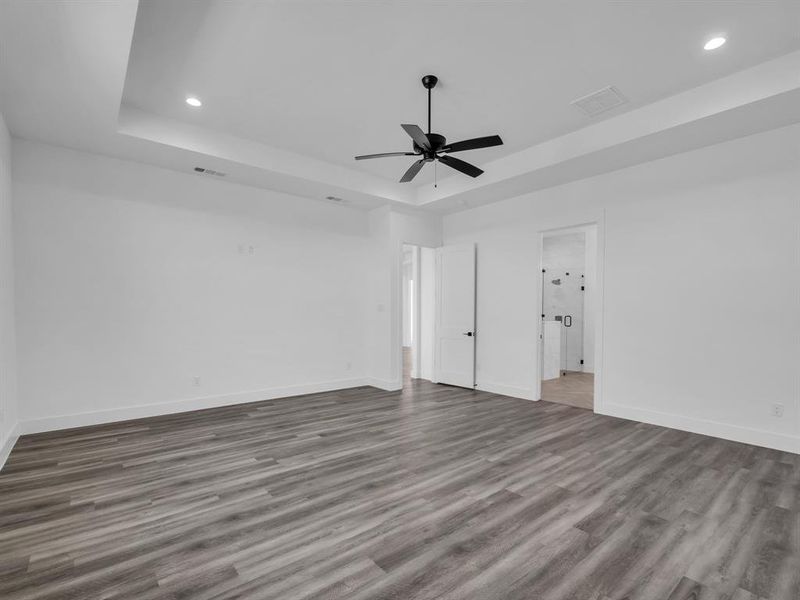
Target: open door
{"x": 455, "y": 312}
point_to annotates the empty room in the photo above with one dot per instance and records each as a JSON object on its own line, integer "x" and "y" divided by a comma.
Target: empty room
{"x": 408, "y": 299}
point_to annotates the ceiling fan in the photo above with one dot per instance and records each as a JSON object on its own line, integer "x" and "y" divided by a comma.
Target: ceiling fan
{"x": 434, "y": 147}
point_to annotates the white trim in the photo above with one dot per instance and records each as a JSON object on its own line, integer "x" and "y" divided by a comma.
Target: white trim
{"x": 600, "y": 313}
{"x": 506, "y": 390}
{"x": 384, "y": 384}
{"x": 12, "y": 438}
{"x": 417, "y": 334}
{"x": 178, "y": 406}
{"x": 736, "y": 433}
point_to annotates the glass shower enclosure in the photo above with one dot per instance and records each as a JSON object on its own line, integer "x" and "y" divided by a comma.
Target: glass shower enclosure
{"x": 562, "y": 316}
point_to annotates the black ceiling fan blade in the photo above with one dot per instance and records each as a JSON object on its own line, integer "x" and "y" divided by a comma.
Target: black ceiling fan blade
{"x": 474, "y": 144}
{"x": 412, "y": 171}
{"x": 418, "y": 136}
{"x": 366, "y": 156}
{"x": 460, "y": 165}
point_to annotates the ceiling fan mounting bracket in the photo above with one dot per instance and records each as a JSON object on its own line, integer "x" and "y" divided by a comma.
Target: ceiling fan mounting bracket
{"x": 429, "y": 81}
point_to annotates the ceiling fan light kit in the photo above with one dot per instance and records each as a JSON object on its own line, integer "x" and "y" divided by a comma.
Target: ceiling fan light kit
{"x": 432, "y": 147}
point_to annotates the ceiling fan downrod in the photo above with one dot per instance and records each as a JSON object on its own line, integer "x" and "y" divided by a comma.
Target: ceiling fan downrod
{"x": 429, "y": 82}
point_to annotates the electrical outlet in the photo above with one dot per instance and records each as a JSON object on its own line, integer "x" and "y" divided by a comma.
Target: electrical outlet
{"x": 777, "y": 410}
{"x": 197, "y": 381}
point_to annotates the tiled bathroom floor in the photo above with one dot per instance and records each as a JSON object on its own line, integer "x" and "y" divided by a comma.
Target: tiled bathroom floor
{"x": 575, "y": 389}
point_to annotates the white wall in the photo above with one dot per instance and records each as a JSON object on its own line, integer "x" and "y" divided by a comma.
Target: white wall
{"x": 700, "y": 303}
{"x": 133, "y": 280}
{"x": 8, "y": 369}
{"x": 564, "y": 250}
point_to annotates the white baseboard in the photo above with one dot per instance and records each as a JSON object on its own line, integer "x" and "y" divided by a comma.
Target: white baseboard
{"x": 507, "y": 390}
{"x": 13, "y": 435}
{"x": 736, "y": 433}
{"x": 178, "y": 406}
{"x": 387, "y": 385}
{"x": 783, "y": 442}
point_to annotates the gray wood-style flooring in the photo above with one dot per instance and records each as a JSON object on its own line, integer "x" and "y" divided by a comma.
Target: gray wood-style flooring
{"x": 435, "y": 492}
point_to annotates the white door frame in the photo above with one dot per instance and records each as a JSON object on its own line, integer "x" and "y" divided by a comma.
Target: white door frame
{"x": 417, "y": 308}
{"x": 565, "y": 226}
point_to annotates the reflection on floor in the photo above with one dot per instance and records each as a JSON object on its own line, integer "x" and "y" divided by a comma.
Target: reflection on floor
{"x": 574, "y": 389}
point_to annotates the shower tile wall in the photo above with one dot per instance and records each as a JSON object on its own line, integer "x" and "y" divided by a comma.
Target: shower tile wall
{"x": 563, "y": 258}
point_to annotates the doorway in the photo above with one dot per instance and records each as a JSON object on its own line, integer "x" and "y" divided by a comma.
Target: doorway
{"x": 418, "y": 293}
{"x": 568, "y": 283}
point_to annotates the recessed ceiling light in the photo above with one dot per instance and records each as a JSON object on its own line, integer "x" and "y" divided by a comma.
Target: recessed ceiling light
{"x": 192, "y": 101}
{"x": 714, "y": 43}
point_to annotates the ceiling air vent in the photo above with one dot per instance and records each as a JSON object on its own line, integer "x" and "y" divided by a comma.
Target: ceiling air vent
{"x": 600, "y": 101}
{"x": 210, "y": 172}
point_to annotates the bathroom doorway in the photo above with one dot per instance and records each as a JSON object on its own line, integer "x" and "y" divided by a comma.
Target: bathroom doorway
{"x": 569, "y": 274}
{"x": 417, "y": 286}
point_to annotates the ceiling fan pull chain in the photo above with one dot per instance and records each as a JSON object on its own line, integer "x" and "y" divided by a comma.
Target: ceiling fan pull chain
{"x": 435, "y": 175}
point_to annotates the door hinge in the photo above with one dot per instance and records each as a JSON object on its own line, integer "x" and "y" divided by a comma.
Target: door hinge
{"x": 582, "y": 288}
{"x": 581, "y": 361}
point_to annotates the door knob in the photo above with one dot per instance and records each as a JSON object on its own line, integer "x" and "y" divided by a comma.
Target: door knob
{"x": 469, "y": 333}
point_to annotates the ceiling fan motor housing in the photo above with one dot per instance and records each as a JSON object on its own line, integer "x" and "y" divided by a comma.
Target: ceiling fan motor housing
{"x": 436, "y": 141}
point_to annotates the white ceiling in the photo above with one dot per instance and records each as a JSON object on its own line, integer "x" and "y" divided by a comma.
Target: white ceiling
{"x": 334, "y": 79}
{"x": 292, "y": 90}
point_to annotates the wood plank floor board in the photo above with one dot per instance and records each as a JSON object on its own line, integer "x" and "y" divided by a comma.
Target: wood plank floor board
{"x": 432, "y": 492}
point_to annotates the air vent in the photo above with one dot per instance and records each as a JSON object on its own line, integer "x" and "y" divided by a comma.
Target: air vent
{"x": 600, "y": 101}
{"x": 210, "y": 172}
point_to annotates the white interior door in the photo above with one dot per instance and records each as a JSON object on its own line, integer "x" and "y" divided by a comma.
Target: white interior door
{"x": 455, "y": 315}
